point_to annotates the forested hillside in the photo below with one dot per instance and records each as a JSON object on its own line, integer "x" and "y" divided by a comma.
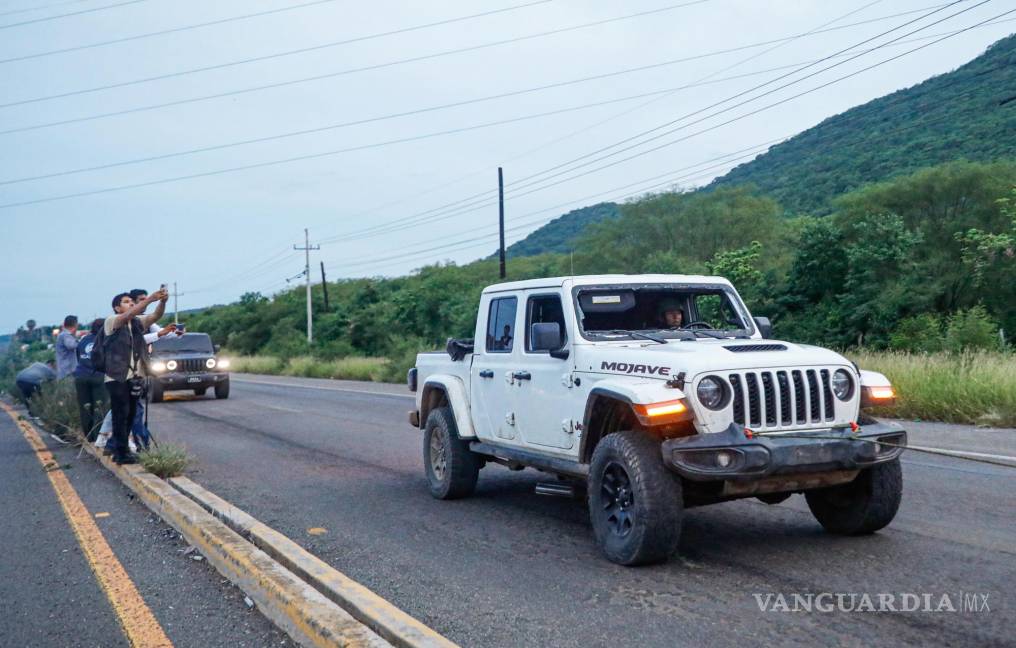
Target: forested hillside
{"x": 560, "y": 234}
{"x": 969, "y": 113}
{"x": 966, "y": 114}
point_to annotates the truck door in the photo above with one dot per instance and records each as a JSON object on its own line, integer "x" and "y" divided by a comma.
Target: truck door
{"x": 543, "y": 388}
{"x": 493, "y": 359}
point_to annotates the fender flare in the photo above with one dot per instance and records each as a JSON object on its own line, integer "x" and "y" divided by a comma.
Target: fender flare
{"x": 626, "y": 391}
{"x": 454, "y": 391}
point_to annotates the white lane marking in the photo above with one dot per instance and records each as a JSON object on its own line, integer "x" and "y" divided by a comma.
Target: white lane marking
{"x": 964, "y": 453}
{"x": 280, "y": 409}
{"x": 320, "y": 388}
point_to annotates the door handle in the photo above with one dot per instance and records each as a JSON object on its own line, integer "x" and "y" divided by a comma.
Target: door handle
{"x": 487, "y": 373}
{"x": 522, "y": 375}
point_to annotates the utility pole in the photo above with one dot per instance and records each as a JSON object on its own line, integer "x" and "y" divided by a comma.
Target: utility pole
{"x": 324, "y": 285}
{"x": 307, "y": 247}
{"x": 500, "y": 209}
{"x": 176, "y": 309}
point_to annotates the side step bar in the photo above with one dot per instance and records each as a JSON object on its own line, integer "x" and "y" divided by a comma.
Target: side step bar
{"x": 510, "y": 456}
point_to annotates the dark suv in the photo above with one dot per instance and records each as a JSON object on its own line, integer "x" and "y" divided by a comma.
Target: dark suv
{"x": 188, "y": 362}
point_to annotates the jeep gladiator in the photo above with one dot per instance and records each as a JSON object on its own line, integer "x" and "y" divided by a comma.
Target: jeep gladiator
{"x": 654, "y": 394}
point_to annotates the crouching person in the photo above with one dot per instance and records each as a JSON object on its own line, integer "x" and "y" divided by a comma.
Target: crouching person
{"x": 125, "y": 363}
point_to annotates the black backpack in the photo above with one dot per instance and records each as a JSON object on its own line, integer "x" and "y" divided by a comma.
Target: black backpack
{"x": 98, "y": 356}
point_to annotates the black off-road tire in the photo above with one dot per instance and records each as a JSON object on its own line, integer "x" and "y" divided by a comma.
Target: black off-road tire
{"x": 156, "y": 392}
{"x": 222, "y": 389}
{"x": 635, "y": 504}
{"x": 452, "y": 468}
{"x": 200, "y": 391}
{"x": 863, "y": 506}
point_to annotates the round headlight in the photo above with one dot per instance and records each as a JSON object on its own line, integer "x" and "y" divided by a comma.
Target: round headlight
{"x": 210, "y": 363}
{"x": 171, "y": 365}
{"x": 842, "y": 385}
{"x": 711, "y": 392}
{"x": 158, "y": 366}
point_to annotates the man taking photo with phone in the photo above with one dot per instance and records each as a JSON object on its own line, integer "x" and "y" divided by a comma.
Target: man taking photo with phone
{"x": 125, "y": 359}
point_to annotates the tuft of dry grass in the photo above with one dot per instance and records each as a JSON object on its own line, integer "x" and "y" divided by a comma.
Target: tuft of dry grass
{"x": 165, "y": 461}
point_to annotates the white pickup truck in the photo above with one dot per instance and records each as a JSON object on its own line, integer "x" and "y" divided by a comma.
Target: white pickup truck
{"x": 657, "y": 393}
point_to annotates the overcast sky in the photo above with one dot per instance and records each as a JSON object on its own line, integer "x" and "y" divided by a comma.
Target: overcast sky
{"x": 224, "y": 234}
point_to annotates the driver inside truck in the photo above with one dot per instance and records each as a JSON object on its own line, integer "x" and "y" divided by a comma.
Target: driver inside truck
{"x": 670, "y": 314}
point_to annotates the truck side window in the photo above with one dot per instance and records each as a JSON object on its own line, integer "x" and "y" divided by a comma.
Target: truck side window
{"x": 501, "y": 324}
{"x": 542, "y": 309}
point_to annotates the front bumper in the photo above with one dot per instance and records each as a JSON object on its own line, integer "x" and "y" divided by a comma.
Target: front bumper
{"x": 730, "y": 455}
{"x": 172, "y": 381}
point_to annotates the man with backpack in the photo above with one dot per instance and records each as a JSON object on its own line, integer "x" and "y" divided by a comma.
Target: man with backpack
{"x": 88, "y": 385}
{"x": 122, "y": 355}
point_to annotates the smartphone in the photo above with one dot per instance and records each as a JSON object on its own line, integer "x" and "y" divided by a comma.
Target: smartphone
{"x": 182, "y": 328}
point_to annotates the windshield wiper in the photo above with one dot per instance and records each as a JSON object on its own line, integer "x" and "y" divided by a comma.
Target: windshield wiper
{"x": 635, "y": 334}
{"x": 709, "y": 334}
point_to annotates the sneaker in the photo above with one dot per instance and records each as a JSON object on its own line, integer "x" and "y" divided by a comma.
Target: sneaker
{"x": 129, "y": 458}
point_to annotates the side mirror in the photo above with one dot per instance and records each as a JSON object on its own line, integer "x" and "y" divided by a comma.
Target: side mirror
{"x": 216, "y": 347}
{"x": 765, "y": 327}
{"x": 546, "y": 336}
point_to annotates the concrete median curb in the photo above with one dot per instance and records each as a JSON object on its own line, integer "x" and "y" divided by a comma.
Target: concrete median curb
{"x": 379, "y": 615}
{"x": 299, "y": 609}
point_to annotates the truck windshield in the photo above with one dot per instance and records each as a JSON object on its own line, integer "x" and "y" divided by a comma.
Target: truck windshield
{"x": 669, "y": 312}
{"x": 186, "y": 343}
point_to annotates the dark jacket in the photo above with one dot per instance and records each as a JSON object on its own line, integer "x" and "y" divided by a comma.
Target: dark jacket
{"x": 118, "y": 351}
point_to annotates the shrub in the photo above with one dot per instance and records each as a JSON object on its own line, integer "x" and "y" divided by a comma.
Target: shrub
{"x": 167, "y": 460}
{"x": 971, "y": 329}
{"x": 921, "y": 333}
{"x": 56, "y": 403}
{"x": 257, "y": 364}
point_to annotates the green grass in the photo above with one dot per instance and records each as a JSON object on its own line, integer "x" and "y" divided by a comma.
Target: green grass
{"x": 350, "y": 368}
{"x": 167, "y": 460}
{"x": 975, "y": 387}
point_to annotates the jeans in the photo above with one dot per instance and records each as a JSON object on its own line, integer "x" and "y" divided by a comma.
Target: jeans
{"x": 124, "y": 408}
{"x": 142, "y": 437}
{"x": 91, "y": 404}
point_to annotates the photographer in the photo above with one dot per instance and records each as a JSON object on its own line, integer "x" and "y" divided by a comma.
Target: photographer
{"x": 126, "y": 359}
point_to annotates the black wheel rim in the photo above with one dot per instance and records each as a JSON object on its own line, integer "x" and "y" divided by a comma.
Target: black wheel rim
{"x": 438, "y": 459}
{"x": 618, "y": 500}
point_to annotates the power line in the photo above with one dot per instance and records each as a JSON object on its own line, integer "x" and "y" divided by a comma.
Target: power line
{"x": 163, "y": 32}
{"x": 500, "y": 122}
{"x": 745, "y": 115}
{"x": 516, "y": 186}
{"x": 320, "y": 77}
{"x": 302, "y": 50}
{"x": 309, "y": 131}
{"x": 72, "y": 13}
{"x": 530, "y": 180}
{"x": 41, "y": 7}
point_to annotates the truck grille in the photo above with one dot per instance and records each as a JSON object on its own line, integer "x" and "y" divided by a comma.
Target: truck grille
{"x": 782, "y": 397}
{"x": 191, "y": 365}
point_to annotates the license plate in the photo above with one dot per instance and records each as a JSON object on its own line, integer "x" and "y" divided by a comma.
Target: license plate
{"x": 194, "y": 379}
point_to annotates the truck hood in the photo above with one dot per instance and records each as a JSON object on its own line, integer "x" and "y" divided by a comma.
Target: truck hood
{"x": 645, "y": 359}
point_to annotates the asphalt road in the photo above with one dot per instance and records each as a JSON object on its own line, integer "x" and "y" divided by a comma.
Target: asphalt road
{"x": 48, "y": 593}
{"x": 508, "y": 567}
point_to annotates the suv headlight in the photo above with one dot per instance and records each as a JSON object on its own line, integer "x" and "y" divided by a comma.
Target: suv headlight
{"x": 171, "y": 365}
{"x": 158, "y": 366}
{"x": 842, "y": 385}
{"x": 210, "y": 363}
{"x": 711, "y": 393}
{"x": 222, "y": 363}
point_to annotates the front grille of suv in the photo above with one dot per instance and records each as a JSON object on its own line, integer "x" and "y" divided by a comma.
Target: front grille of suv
{"x": 191, "y": 365}
{"x": 780, "y": 398}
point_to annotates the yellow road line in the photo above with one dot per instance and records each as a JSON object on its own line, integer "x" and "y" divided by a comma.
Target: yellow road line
{"x": 138, "y": 621}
